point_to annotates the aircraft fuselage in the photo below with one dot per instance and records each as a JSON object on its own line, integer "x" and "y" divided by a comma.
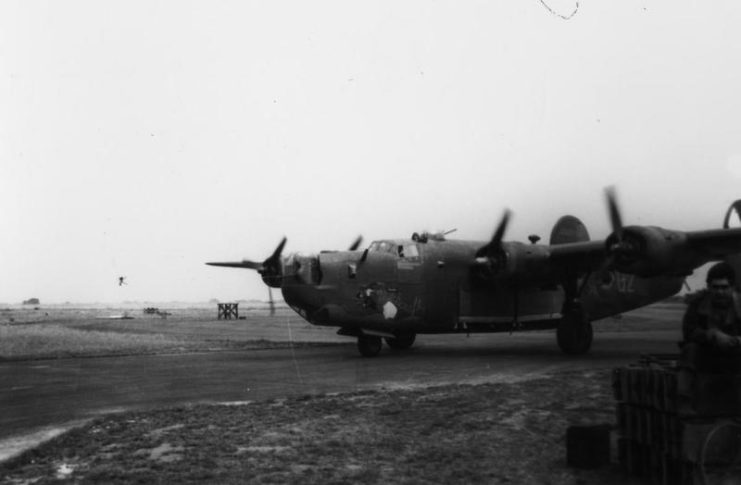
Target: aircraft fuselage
{"x": 429, "y": 287}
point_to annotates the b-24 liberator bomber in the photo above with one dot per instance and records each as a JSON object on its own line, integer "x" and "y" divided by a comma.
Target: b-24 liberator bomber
{"x": 429, "y": 284}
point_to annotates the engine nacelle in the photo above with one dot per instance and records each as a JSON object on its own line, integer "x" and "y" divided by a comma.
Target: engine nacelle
{"x": 650, "y": 251}
{"x": 518, "y": 262}
{"x": 524, "y": 263}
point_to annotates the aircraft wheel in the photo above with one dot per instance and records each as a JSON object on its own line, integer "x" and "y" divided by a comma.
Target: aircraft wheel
{"x": 369, "y": 346}
{"x": 402, "y": 341}
{"x": 574, "y": 334}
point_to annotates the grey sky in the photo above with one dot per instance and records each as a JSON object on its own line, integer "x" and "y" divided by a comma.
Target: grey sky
{"x": 144, "y": 138}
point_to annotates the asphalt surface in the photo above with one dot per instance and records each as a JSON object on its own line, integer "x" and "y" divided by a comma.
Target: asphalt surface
{"x": 39, "y": 394}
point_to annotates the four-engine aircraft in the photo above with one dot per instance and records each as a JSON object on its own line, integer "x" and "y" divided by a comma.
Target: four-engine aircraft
{"x": 428, "y": 284}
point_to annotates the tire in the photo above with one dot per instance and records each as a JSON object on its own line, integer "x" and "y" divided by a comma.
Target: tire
{"x": 369, "y": 346}
{"x": 402, "y": 341}
{"x": 574, "y": 334}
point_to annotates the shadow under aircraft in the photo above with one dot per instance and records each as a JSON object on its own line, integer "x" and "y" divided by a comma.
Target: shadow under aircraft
{"x": 396, "y": 289}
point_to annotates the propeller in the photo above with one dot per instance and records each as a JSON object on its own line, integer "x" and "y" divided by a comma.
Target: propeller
{"x": 271, "y": 269}
{"x": 491, "y": 257}
{"x": 622, "y": 246}
{"x": 272, "y": 272}
{"x": 495, "y": 245}
{"x": 616, "y": 246}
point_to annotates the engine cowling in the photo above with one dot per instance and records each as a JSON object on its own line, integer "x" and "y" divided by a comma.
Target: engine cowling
{"x": 516, "y": 261}
{"x": 650, "y": 251}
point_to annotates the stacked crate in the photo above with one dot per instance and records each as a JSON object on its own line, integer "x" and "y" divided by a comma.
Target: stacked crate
{"x": 677, "y": 425}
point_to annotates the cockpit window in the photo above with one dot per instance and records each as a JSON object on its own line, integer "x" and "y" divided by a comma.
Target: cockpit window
{"x": 382, "y": 247}
{"x": 408, "y": 251}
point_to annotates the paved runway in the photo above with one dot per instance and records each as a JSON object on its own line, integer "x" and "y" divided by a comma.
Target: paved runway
{"x": 43, "y": 393}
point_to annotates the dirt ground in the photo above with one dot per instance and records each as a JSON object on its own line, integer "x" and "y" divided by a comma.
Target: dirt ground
{"x": 489, "y": 433}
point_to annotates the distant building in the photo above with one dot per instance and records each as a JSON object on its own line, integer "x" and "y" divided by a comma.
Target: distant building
{"x": 31, "y": 301}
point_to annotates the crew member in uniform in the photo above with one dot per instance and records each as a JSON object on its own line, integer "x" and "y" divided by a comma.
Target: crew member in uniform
{"x": 712, "y": 322}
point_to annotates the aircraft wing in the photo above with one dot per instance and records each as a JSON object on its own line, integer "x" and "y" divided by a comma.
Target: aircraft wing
{"x": 578, "y": 257}
{"x": 647, "y": 251}
{"x": 715, "y": 243}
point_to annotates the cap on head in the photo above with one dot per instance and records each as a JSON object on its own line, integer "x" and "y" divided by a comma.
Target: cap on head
{"x": 720, "y": 271}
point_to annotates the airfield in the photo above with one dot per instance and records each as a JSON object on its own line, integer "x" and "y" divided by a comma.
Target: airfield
{"x": 273, "y": 399}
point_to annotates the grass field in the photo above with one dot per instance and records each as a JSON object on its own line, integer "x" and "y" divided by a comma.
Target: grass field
{"x": 64, "y": 331}
{"x": 76, "y": 332}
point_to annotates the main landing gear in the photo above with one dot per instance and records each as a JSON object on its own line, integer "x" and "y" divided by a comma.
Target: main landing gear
{"x": 401, "y": 341}
{"x": 370, "y": 345}
{"x": 574, "y": 332}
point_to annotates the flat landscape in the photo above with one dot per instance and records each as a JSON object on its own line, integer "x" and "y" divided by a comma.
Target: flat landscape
{"x": 28, "y": 332}
{"x": 57, "y": 331}
{"x": 184, "y": 397}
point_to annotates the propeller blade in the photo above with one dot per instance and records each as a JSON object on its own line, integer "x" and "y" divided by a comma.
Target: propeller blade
{"x": 271, "y": 270}
{"x": 499, "y": 233}
{"x": 239, "y": 264}
{"x": 356, "y": 244}
{"x": 615, "y": 219}
{"x": 272, "y": 302}
{"x": 276, "y": 254}
{"x": 271, "y": 266}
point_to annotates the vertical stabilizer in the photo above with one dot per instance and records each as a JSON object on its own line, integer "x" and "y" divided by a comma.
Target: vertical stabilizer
{"x": 734, "y": 259}
{"x": 569, "y": 229}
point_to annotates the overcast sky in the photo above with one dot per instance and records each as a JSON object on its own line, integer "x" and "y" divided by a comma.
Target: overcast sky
{"x": 143, "y": 138}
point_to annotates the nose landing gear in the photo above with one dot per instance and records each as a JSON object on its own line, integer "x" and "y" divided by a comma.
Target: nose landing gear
{"x": 370, "y": 345}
